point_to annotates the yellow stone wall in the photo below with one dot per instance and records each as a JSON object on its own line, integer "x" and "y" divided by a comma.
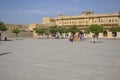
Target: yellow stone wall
{"x": 48, "y": 21}
{"x": 87, "y": 18}
{"x": 32, "y": 26}
{"x": 82, "y": 21}
{"x": 20, "y": 26}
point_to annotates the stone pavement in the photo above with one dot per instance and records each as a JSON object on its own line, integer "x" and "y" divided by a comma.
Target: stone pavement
{"x": 59, "y": 59}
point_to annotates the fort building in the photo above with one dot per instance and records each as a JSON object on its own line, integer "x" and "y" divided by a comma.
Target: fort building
{"x": 87, "y": 18}
{"x": 83, "y": 21}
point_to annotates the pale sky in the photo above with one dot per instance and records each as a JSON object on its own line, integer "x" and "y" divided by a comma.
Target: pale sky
{"x": 32, "y": 11}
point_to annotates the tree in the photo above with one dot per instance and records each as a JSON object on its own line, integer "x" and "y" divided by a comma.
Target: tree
{"x": 47, "y": 32}
{"x": 114, "y": 30}
{"x": 3, "y": 28}
{"x": 118, "y": 28}
{"x": 96, "y": 29}
{"x": 53, "y": 30}
{"x": 40, "y": 31}
{"x": 73, "y": 29}
{"x": 65, "y": 30}
{"x": 87, "y": 31}
{"x": 16, "y": 31}
{"x": 60, "y": 29}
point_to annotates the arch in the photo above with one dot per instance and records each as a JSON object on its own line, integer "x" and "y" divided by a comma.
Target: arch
{"x": 105, "y": 33}
{"x": 114, "y": 34}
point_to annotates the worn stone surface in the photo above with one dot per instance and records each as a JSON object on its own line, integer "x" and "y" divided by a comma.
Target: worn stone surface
{"x": 59, "y": 59}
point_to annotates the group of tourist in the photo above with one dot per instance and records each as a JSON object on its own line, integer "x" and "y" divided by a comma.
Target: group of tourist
{"x": 77, "y": 37}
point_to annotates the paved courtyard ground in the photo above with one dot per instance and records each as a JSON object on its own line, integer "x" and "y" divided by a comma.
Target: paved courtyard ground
{"x": 59, "y": 59}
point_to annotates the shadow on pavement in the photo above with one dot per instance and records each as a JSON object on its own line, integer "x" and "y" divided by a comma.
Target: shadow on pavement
{"x": 96, "y": 42}
{"x": 1, "y": 54}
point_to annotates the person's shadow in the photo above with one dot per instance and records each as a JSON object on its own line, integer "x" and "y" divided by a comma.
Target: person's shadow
{"x": 1, "y": 54}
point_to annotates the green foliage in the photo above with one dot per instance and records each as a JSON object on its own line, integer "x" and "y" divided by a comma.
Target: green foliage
{"x": 16, "y": 31}
{"x": 115, "y": 29}
{"x": 87, "y": 31}
{"x": 53, "y": 29}
{"x": 39, "y": 31}
{"x": 95, "y": 28}
{"x": 60, "y": 29}
{"x": 65, "y": 30}
{"x": 118, "y": 28}
{"x": 2, "y": 27}
{"x": 73, "y": 29}
{"x": 47, "y": 32}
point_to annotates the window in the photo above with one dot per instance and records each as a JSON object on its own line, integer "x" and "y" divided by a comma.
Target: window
{"x": 109, "y": 20}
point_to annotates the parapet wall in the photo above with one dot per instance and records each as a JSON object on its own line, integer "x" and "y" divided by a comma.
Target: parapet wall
{"x": 21, "y": 34}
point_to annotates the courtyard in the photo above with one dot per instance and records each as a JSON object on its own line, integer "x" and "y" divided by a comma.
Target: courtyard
{"x": 59, "y": 59}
